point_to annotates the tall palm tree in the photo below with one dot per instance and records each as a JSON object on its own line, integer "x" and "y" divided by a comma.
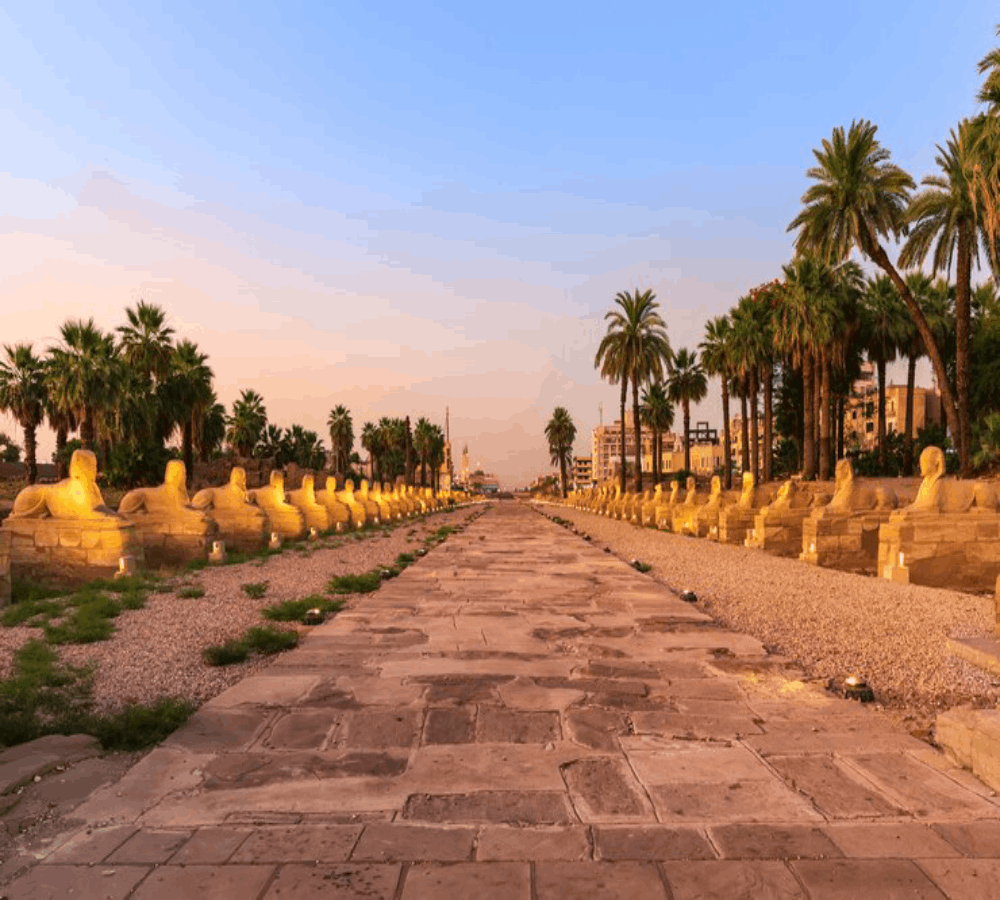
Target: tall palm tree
{"x": 985, "y": 170}
{"x": 716, "y": 359}
{"x": 423, "y": 439}
{"x": 188, "y": 383}
{"x": 944, "y": 216}
{"x": 858, "y": 197}
{"x": 687, "y": 385}
{"x": 372, "y": 441}
{"x": 210, "y": 429}
{"x": 436, "y": 456}
{"x": 245, "y": 426}
{"x": 81, "y": 369}
{"x": 635, "y": 347}
{"x": 22, "y": 394}
{"x": 560, "y": 432}
{"x": 749, "y": 337}
{"x": 341, "y": 436}
{"x": 658, "y": 416}
{"x": 146, "y": 341}
{"x": 882, "y": 337}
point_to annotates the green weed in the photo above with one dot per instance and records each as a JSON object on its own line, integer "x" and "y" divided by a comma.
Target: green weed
{"x": 254, "y": 589}
{"x": 191, "y": 592}
{"x": 295, "y": 610}
{"x": 363, "y": 583}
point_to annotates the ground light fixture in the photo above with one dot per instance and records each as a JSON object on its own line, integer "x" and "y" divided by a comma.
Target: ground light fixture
{"x": 313, "y": 616}
{"x": 689, "y": 596}
{"x": 856, "y": 688}
{"x": 126, "y": 567}
{"x": 275, "y": 542}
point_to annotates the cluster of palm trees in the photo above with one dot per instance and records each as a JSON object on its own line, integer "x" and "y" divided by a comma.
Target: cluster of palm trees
{"x": 126, "y": 391}
{"x": 804, "y": 335}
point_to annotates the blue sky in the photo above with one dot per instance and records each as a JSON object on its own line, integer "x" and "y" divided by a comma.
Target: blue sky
{"x": 406, "y": 206}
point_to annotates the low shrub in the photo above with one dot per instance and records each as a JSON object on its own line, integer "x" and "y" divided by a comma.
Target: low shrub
{"x": 363, "y": 583}
{"x": 295, "y": 610}
{"x": 255, "y": 589}
{"x": 191, "y": 592}
{"x": 225, "y": 654}
{"x": 255, "y": 640}
{"x": 136, "y": 727}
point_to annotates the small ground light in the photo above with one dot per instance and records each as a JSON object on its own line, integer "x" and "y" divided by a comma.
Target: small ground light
{"x": 275, "y": 543}
{"x": 689, "y": 596}
{"x": 313, "y": 534}
{"x": 126, "y": 567}
{"x": 856, "y": 688}
{"x": 313, "y": 616}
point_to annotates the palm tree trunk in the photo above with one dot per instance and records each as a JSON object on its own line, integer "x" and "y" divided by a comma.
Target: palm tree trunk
{"x": 87, "y": 428}
{"x": 911, "y": 379}
{"x": 744, "y": 433}
{"x": 562, "y": 469}
{"x": 881, "y": 259}
{"x": 825, "y": 431}
{"x": 687, "y": 435}
{"x": 808, "y": 445}
{"x": 754, "y": 427}
{"x": 409, "y": 454}
{"x": 624, "y": 398}
{"x": 423, "y": 471}
{"x": 963, "y": 291}
{"x": 841, "y": 414}
{"x": 768, "y": 422}
{"x": 726, "y": 436}
{"x": 187, "y": 445}
{"x": 882, "y": 449}
{"x": 638, "y": 435}
{"x": 30, "y": 451}
{"x": 62, "y": 433}
{"x": 817, "y": 403}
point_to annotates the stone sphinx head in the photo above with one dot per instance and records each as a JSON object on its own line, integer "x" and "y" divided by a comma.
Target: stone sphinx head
{"x": 658, "y": 492}
{"x": 716, "y": 489}
{"x": 309, "y": 486}
{"x": 238, "y": 480}
{"x": 175, "y": 478}
{"x": 747, "y": 494}
{"x": 277, "y": 482}
{"x": 932, "y": 463}
{"x": 364, "y": 488}
{"x": 349, "y": 486}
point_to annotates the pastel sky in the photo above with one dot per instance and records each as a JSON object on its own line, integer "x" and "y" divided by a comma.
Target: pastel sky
{"x": 403, "y": 207}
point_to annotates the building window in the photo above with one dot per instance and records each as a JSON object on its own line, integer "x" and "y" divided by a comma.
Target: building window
{"x": 869, "y": 427}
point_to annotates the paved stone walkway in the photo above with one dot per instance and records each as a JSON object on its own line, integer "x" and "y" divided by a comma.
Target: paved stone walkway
{"x": 521, "y": 715}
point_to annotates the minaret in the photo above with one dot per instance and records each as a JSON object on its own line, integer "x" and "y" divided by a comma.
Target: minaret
{"x": 447, "y": 428}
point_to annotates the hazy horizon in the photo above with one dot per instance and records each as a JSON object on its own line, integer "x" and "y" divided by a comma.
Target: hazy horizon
{"x": 407, "y": 209}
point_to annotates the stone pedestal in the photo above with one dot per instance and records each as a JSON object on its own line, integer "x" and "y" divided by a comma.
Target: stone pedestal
{"x": 778, "y": 530}
{"x": 315, "y": 513}
{"x": 282, "y": 517}
{"x": 72, "y": 549}
{"x": 941, "y": 549}
{"x": 734, "y": 523}
{"x": 842, "y": 540}
{"x": 242, "y": 528}
{"x": 171, "y": 540}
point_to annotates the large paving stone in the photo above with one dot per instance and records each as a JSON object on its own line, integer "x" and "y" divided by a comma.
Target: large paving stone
{"x": 503, "y": 842}
{"x": 651, "y": 842}
{"x": 515, "y": 726}
{"x": 730, "y": 801}
{"x": 341, "y": 882}
{"x": 734, "y": 880}
{"x": 835, "y": 790}
{"x": 773, "y": 842}
{"x": 895, "y": 840}
{"x": 305, "y": 729}
{"x": 382, "y": 728}
{"x": 603, "y": 789}
{"x": 607, "y": 880}
{"x": 973, "y": 838}
{"x": 148, "y": 847}
{"x": 393, "y": 842}
{"x": 210, "y": 846}
{"x": 450, "y": 725}
{"x": 215, "y": 729}
{"x": 204, "y": 882}
{"x": 974, "y": 878}
{"x": 512, "y": 807}
{"x": 484, "y": 881}
{"x": 300, "y": 843}
{"x": 77, "y": 882}
{"x": 846, "y": 879}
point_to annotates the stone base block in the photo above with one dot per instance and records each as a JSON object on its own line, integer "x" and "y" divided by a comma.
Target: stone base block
{"x": 848, "y": 542}
{"x": 241, "y": 531}
{"x": 316, "y": 516}
{"x": 949, "y": 550}
{"x": 734, "y": 524}
{"x": 171, "y": 541}
{"x": 288, "y": 524}
{"x": 72, "y": 549}
{"x": 778, "y": 531}
{"x": 971, "y": 737}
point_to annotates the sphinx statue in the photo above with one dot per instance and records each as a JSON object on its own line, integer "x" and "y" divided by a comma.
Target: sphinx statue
{"x": 941, "y": 494}
{"x": 843, "y": 534}
{"x": 948, "y": 537}
{"x": 67, "y": 530}
{"x": 685, "y": 511}
{"x": 647, "y": 514}
{"x": 382, "y": 503}
{"x": 705, "y": 522}
{"x": 338, "y": 512}
{"x": 304, "y": 499}
{"x": 665, "y": 511}
{"x": 347, "y": 496}
{"x": 76, "y": 497}
{"x": 172, "y": 530}
{"x": 241, "y": 523}
{"x": 387, "y": 496}
{"x": 362, "y": 495}
{"x": 778, "y": 526}
{"x": 282, "y": 517}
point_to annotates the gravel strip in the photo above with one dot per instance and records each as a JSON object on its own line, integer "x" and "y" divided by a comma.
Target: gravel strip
{"x": 155, "y": 652}
{"x": 832, "y": 623}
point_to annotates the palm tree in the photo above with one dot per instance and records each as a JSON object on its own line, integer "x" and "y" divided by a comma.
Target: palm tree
{"x": 749, "y": 337}
{"x": 635, "y": 347}
{"x": 210, "y": 429}
{"x": 859, "y": 197}
{"x": 245, "y": 426}
{"x": 371, "y": 440}
{"x": 946, "y": 216}
{"x": 81, "y": 372}
{"x": 560, "y": 433}
{"x": 188, "y": 384}
{"x": 658, "y": 416}
{"x": 60, "y": 416}
{"x": 436, "y": 456}
{"x": 22, "y": 394}
{"x": 911, "y": 345}
{"x": 985, "y": 170}
{"x": 423, "y": 438}
{"x": 146, "y": 341}
{"x": 273, "y": 444}
{"x": 341, "y": 436}
{"x": 882, "y": 337}
{"x": 716, "y": 359}
{"x": 687, "y": 385}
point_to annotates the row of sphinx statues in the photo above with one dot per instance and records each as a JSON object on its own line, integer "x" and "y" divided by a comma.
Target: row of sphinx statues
{"x": 940, "y": 531}
{"x": 59, "y": 526}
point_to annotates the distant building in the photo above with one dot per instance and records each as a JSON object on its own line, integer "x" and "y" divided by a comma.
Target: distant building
{"x": 861, "y": 412}
{"x": 483, "y": 482}
{"x": 706, "y": 451}
{"x": 583, "y": 472}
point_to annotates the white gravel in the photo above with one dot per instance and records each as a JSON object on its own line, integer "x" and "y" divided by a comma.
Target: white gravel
{"x": 155, "y": 652}
{"x": 833, "y": 623}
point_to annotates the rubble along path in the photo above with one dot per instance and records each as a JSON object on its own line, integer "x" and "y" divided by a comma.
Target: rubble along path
{"x": 521, "y": 715}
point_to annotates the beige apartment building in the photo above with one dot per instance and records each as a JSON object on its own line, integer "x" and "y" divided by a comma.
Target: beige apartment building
{"x": 706, "y": 454}
{"x": 861, "y": 415}
{"x": 583, "y": 472}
